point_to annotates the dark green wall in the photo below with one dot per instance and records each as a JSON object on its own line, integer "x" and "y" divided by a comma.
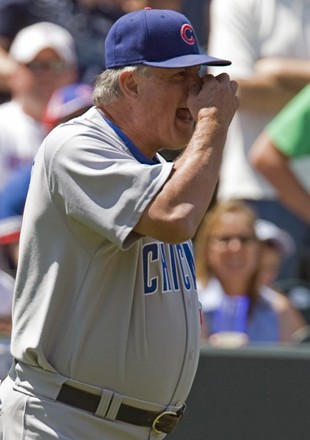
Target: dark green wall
{"x": 249, "y": 394}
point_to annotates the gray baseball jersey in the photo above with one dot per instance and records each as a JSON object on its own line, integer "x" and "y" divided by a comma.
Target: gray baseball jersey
{"x": 95, "y": 301}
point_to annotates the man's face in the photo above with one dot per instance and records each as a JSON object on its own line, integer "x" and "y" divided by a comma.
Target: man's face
{"x": 162, "y": 108}
{"x": 44, "y": 74}
{"x": 49, "y": 72}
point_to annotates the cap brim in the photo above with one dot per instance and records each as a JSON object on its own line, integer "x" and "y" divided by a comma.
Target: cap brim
{"x": 188, "y": 61}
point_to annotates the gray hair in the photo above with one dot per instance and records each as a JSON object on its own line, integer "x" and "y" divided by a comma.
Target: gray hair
{"x": 107, "y": 87}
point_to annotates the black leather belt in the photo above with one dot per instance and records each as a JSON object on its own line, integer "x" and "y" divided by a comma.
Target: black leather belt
{"x": 163, "y": 422}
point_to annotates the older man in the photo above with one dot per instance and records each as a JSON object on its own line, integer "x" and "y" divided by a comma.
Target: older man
{"x": 106, "y": 317}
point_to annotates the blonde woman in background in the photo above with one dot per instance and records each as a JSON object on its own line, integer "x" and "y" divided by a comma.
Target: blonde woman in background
{"x": 233, "y": 298}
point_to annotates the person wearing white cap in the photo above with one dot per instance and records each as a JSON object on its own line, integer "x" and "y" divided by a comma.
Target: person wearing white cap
{"x": 46, "y": 56}
{"x": 278, "y": 245}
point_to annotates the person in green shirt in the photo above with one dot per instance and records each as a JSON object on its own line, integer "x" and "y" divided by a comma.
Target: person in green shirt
{"x": 285, "y": 138}
{"x": 278, "y": 153}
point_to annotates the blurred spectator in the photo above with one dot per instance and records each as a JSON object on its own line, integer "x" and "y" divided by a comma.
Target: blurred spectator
{"x": 277, "y": 154}
{"x": 46, "y": 56}
{"x": 12, "y": 202}
{"x": 133, "y": 5}
{"x": 234, "y": 300}
{"x": 6, "y": 296}
{"x": 10, "y": 229}
{"x": 284, "y": 139}
{"x": 268, "y": 42}
{"x": 88, "y": 21}
{"x": 65, "y": 103}
{"x": 176, "y": 5}
{"x": 277, "y": 245}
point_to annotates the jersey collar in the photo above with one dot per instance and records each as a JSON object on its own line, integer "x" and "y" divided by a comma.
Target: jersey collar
{"x": 130, "y": 145}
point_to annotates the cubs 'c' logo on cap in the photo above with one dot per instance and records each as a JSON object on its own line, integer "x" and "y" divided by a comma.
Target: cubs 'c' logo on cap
{"x": 187, "y": 34}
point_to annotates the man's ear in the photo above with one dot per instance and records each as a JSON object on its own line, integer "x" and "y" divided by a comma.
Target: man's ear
{"x": 128, "y": 84}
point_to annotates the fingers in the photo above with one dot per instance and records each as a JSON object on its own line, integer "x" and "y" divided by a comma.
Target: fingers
{"x": 215, "y": 91}
{"x": 221, "y": 78}
{"x": 224, "y": 77}
{"x": 234, "y": 86}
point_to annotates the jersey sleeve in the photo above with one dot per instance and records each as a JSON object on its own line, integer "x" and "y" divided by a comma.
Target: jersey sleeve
{"x": 290, "y": 129}
{"x": 99, "y": 184}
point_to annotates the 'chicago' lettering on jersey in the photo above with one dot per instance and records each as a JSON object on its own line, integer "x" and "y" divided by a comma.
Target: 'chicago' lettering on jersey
{"x": 167, "y": 268}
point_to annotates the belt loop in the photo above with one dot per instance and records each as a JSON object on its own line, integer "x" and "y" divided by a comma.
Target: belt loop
{"x": 114, "y": 407}
{"x": 104, "y": 404}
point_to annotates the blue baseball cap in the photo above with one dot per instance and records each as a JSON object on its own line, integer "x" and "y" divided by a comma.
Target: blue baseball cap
{"x": 155, "y": 37}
